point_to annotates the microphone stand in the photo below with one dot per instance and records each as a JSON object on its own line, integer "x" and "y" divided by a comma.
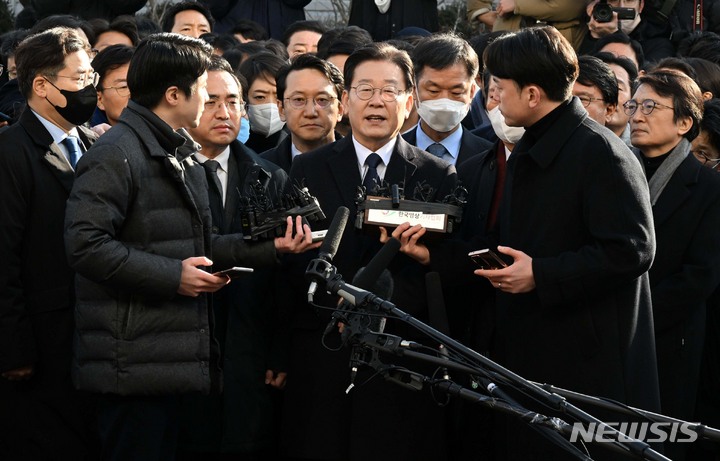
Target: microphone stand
{"x": 629, "y": 446}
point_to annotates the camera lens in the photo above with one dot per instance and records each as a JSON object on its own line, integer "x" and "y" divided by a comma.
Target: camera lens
{"x": 602, "y": 12}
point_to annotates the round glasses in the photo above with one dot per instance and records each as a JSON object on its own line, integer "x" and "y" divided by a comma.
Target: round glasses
{"x": 646, "y": 106}
{"x": 298, "y": 102}
{"x": 84, "y": 80}
{"x": 122, "y": 91}
{"x": 388, "y": 93}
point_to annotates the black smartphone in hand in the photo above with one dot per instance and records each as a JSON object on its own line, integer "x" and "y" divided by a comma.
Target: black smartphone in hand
{"x": 234, "y": 272}
{"x": 487, "y": 259}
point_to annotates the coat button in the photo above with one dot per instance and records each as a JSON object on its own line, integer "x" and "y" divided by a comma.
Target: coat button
{"x": 202, "y": 330}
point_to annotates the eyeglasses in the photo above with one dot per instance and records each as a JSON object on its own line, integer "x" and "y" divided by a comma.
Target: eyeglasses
{"x": 587, "y": 100}
{"x": 388, "y": 93}
{"x": 84, "y": 80}
{"x": 322, "y": 102}
{"x": 122, "y": 91}
{"x": 706, "y": 160}
{"x": 646, "y": 107}
{"x": 231, "y": 106}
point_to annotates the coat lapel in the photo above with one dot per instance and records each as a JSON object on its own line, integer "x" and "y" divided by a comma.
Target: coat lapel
{"x": 343, "y": 166}
{"x": 402, "y": 165}
{"x": 677, "y": 191}
{"x": 59, "y": 166}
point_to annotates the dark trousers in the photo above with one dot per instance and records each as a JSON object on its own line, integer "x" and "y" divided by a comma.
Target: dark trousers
{"x": 138, "y": 428}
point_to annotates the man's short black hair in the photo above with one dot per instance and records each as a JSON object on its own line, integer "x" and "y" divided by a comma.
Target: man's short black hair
{"x": 707, "y": 75}
{"x": 300, "y": 26}
{"x": 535, "y": 56}
{"x": 440, "y": 51}
{"x": 594, "y": 72}
{"x": 380, "y": 52}
{"x": 220, "y": 64}
{"x": 342, "y": 40}
{"x": 310, "y": 61}
{"x": 621, "y": 61}
{"x": 168, "y": 19}
{"x": 710, "y": 123}
{"x": 685, "y": 93}
{"x": 164, "y": 60}
{"x": 44, "y": 54}
{"x": 250, "y": 29}
{"x": 64, "y": 20}
{"x": 122, "y": 24}
{"x": 623, "y": 38}
{"x": 705, "y": 45}
{"x": 110, "y": 59}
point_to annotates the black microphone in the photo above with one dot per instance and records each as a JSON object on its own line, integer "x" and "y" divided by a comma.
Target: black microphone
{"x": 321, "y": 265}
{"x": 367, "y": 277}
{"x": 437, "y": 313}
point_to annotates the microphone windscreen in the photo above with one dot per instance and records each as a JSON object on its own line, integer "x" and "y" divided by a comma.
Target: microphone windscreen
{"x": 366, "y": 277}
{"x": 334, "y": 234}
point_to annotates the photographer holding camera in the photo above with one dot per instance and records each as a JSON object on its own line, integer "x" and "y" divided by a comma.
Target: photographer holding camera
{"x": 624, "y": 16}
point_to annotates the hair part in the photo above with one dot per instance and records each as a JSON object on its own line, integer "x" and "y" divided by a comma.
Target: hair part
{"x": 685, "y": 93}
{"x": 44, "y": 54}
{"x": 442, "y": 51}
{"x": 310, "y": 61}
{"x": 535, "y": 56}
{"x": 594, "y": 72}
{"x": 380, "y": 52}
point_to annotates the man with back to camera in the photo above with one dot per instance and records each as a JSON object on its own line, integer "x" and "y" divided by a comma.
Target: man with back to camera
{"x": 308, "y": 93}
{"x": 42, "y": 415}
{"x": 577, "y": 231}
{"x": 445, "y": 70}
{"x": 138, "y": 233}
{"x": 378, "y": 95}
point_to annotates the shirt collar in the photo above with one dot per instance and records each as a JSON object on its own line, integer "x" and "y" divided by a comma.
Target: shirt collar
{"x": 223, "y": 159}
{"x": 385, "y": 152}
{"x": 57, "y": 133}
{"x": 451, "y": 143}
{"x": 294, "y": 151}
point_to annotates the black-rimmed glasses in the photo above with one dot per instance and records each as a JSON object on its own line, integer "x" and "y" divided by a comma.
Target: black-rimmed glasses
{"x": 646, "y": 107}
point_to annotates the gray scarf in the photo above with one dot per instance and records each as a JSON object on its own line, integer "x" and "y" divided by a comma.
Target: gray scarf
{"x": 663, "y": 174}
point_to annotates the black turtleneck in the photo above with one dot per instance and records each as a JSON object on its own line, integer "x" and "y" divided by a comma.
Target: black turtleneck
{"x": 538, "y": 129}
{"x": 653, "y": 163}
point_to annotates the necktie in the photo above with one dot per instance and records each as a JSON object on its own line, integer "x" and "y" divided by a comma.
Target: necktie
{"x": 216, "y": 202}
{"x": 372, "y": 178}
{"x": 73, "y": 147}
{"x": 438, "y": 150}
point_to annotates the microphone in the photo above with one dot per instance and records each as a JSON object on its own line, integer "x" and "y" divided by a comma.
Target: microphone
{"x": 370, "y": 275}
{"x": 437, "y": 313}
{"x": 320, "y": 267}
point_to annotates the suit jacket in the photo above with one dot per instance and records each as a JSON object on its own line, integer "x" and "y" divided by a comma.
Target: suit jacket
{"x": 245, "y": 326}
{"x": 35, "y": 182}
{"x": 319, "y": 420}
{"x": 470, "y": 144}
{"x": 37, "y": 296}
{"x": 684, "y": 274}
{"x": 281, "y": 155}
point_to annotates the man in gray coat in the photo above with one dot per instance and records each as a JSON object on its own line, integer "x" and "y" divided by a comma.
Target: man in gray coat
{"x": 139, "y": 235}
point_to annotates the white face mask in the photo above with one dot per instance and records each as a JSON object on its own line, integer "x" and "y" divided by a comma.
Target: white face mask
{"x": 442, "y": 115}
{"x": 629, "y": 25}
{"x": 265, "y": 119}
{"x": 508, "y": 134}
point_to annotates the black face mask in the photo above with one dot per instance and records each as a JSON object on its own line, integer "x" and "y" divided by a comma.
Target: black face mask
{"x": 80, "y": 104}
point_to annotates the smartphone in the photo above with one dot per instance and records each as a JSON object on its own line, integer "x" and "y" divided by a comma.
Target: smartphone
{"x": 234, "y": 272}
{"x": 318, "y": 236}
{"x": 487, "y": 259}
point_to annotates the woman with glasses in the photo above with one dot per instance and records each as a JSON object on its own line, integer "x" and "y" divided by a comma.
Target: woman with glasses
{"x": 665, "y": 115}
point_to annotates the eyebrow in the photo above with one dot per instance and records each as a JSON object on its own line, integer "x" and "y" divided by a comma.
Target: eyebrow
{"x": 368, "y": 80}
{"x": 459, "y": 85}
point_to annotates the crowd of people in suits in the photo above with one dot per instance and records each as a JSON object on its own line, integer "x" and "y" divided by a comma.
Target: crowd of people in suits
{"x": 587, "y": 150}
